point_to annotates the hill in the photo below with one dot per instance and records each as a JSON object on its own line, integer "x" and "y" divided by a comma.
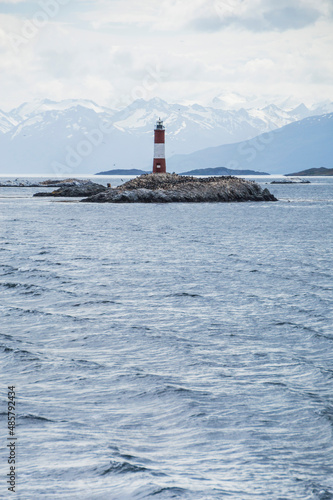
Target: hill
{"x": 314, "y": 171}
{"x": 222, "y": 171}
{"x": 298, "y": 146}
{"x": 124, "y": 171}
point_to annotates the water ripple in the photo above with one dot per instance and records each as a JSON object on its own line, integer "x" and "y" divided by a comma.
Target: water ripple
{"x": 171, "y": 351}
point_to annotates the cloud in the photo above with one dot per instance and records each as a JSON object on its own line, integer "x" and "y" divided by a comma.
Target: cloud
{"x": 18, "y": 7}
{"x": 258, "y": 15}
{"x": 68, "y": 10}
{"x": 284, "y": 18}
{"x": 107, "y": 50}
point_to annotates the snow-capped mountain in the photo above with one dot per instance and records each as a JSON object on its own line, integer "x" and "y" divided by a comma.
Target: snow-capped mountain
{"x": 37, "y": 107}
{"x": 235, "y": 101}
{"x": 297, "y": 146}
{"x": 191, "y": 126}
{"x": 7, "y": 122}
{"x": 78, "y": 136}
{"x": 47, "y": 141}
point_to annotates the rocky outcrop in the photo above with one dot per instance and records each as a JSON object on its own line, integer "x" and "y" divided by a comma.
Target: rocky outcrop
{"x": 19, "y": 183}
{"x": 80, "y": 190}
{"x": 290, "y": 181}
{"x": 171, "y": 188}
{"x": 47, "y": 183}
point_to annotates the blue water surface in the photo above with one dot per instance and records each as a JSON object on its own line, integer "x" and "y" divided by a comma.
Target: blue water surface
{"x": 169, "y": 351}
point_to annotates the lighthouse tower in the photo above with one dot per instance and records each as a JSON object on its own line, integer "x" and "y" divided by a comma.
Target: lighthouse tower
{"x": 159, "y": 166}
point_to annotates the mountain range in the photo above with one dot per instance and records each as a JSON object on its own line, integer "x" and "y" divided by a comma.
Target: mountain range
{"x": 301, "y": 145}
{"x": 78, "y": 136}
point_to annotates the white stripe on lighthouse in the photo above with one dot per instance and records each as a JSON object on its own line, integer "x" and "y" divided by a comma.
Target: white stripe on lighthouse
{"x": 159, "y": 150}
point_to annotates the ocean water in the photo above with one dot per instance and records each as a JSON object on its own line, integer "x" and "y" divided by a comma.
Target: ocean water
{"x": 169, "y": 351}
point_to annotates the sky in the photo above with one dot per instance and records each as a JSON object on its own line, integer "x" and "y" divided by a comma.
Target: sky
{"x": 115, "y": 51}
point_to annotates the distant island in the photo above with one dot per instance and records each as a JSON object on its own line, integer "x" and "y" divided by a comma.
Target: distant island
{"x": 173, "y": 188}
{"x": 65, "y": 183}
{"x": 313, "y": 171}
{"x": 120, "y": 171}
{"x": 200, "y": 171}
{"x": 291, "y": 181}
{"x": 222, "y": 171}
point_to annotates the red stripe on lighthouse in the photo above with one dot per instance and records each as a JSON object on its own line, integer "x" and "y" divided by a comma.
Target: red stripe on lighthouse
{"x": 159, "y": 136}
{"x": 159, "y": 166}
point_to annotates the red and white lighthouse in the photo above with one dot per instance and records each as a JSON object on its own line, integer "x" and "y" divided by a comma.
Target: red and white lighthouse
{"x": 159, "y": 166}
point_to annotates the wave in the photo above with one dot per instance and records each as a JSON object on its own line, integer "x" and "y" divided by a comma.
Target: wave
{"x": 34, "y": 418}
{"x": 23, "y": 288}
{"x": 184, "y": 294}
{"x": 94, "y": 302}
{"x": 8, "y": 270}
{"x": 87, "y": 364}
{"x": 123, "y": 468}
{"x": 30, "y": 311}
{"x": 22, "y": 353}
{"x": 173, "y": 490}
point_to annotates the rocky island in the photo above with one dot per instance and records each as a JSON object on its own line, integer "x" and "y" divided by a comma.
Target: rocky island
{"x": 24, "y": 183}
{"x": 172, "y": 188}
{"x": 290, "y": 181}
{"x": 74, "y": 189}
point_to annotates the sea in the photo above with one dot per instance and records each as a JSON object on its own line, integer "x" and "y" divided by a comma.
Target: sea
{"x": 168, "y": 351}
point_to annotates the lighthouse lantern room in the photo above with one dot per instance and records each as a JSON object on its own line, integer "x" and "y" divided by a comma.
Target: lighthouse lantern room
{"x": 159, "y": 166}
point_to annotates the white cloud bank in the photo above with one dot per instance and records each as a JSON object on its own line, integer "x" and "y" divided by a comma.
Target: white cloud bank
{"x": 113, "y": 51}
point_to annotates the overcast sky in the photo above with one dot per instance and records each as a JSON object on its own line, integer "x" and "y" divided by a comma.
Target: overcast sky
{"x": 113, "y": 51}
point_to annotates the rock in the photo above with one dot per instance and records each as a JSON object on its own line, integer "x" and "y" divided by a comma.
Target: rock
{"x": 19, "y": 183}
{"x": 290, "y": 181}
{"x": 46, "y": 183}
{"x": 65, "y": 182}
{"x": 172, "y": 188}
{"x": 87, "y": 188}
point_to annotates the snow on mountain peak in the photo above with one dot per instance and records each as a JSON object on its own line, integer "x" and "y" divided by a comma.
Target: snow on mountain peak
{"x": 6, "y": 122}
{"x": 229, "y": 101}
{"x": 41, "y": 132}
{"x": 35, "y": 107}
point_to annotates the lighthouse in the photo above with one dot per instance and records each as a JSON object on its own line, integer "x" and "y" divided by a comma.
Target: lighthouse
{"x": 159, "y": 166}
